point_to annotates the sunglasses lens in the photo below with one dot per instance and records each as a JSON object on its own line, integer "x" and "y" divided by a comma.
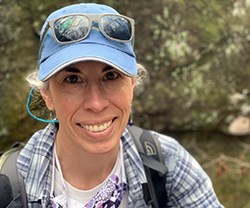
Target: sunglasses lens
{"x": 116, "y": 27}
{"x": 71, "y": 28}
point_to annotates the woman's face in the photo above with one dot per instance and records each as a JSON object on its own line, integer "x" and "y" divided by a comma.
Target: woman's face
{"x": 92, "y": 102}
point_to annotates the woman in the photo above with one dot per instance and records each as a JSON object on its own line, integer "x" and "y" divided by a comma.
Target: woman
{"x": 86, "y": 157}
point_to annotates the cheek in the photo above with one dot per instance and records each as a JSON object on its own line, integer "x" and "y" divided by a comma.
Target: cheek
{"x": 125, "y": 97}
{"x": 65, "y": 105}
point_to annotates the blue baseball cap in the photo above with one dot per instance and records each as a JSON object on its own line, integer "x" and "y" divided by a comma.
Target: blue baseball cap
{"x": 54, "y": 56}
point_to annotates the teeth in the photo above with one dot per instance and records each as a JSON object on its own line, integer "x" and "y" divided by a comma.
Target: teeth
{"x": 97, "y": 128}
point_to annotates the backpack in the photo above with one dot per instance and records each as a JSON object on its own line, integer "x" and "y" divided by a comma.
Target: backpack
{"x": 154, "y": 190}
{"x": 12, "y": 190}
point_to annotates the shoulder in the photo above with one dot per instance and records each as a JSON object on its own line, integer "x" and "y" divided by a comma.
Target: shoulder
{"x": 172, "y": 150}
{"x": 38, "y": 145}
{"x": 185, "y": 175}
{"x": 178, "y": 160}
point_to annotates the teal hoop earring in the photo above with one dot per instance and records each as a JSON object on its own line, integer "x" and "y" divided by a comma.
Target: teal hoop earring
{"x": 29, "y": 99}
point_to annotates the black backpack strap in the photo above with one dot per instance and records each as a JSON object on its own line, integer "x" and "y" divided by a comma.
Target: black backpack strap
{"x": 9, "y": 169}
{"x": 6, "y": 195}
{"x": 150, "y": 151}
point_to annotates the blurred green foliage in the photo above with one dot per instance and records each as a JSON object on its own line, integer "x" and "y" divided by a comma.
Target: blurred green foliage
{"x": 197, "y": 55}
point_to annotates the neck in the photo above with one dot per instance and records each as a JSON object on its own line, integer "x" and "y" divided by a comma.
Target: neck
{"x": 84, "y": 170}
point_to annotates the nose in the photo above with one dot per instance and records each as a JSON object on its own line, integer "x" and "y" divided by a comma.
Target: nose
{"x": 95, "y": 99}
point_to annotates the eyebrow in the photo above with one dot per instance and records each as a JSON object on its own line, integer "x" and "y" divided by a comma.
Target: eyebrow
{"x": 107, "y": 68}
{"x": 76, "y": 70}
{"x": 72, "y": 69}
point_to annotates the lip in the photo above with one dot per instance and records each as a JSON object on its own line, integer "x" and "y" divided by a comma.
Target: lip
{"x": 97, "y": 128}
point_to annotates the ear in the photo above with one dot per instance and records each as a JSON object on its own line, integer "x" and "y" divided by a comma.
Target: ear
{"x": 47, "y": 99}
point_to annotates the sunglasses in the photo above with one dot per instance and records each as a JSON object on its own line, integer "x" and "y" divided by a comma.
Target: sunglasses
{"x": 76, "y": 27}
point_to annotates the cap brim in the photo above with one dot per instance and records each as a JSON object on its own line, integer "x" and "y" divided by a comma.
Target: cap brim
{"x": 87, "y": 52}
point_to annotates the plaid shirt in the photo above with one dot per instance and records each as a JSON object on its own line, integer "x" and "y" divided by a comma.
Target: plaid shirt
{"x": 187, "y": 184}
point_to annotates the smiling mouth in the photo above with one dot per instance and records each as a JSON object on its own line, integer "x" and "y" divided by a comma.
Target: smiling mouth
{"x": 97, "y": 127}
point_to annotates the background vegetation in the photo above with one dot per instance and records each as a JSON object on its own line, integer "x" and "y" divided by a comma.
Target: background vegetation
{"x": 197, "y": 55}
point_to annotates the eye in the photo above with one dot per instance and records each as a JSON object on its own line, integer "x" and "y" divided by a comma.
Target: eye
{"x": 111, "y": 75}
{"x": 72, "y": 79}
